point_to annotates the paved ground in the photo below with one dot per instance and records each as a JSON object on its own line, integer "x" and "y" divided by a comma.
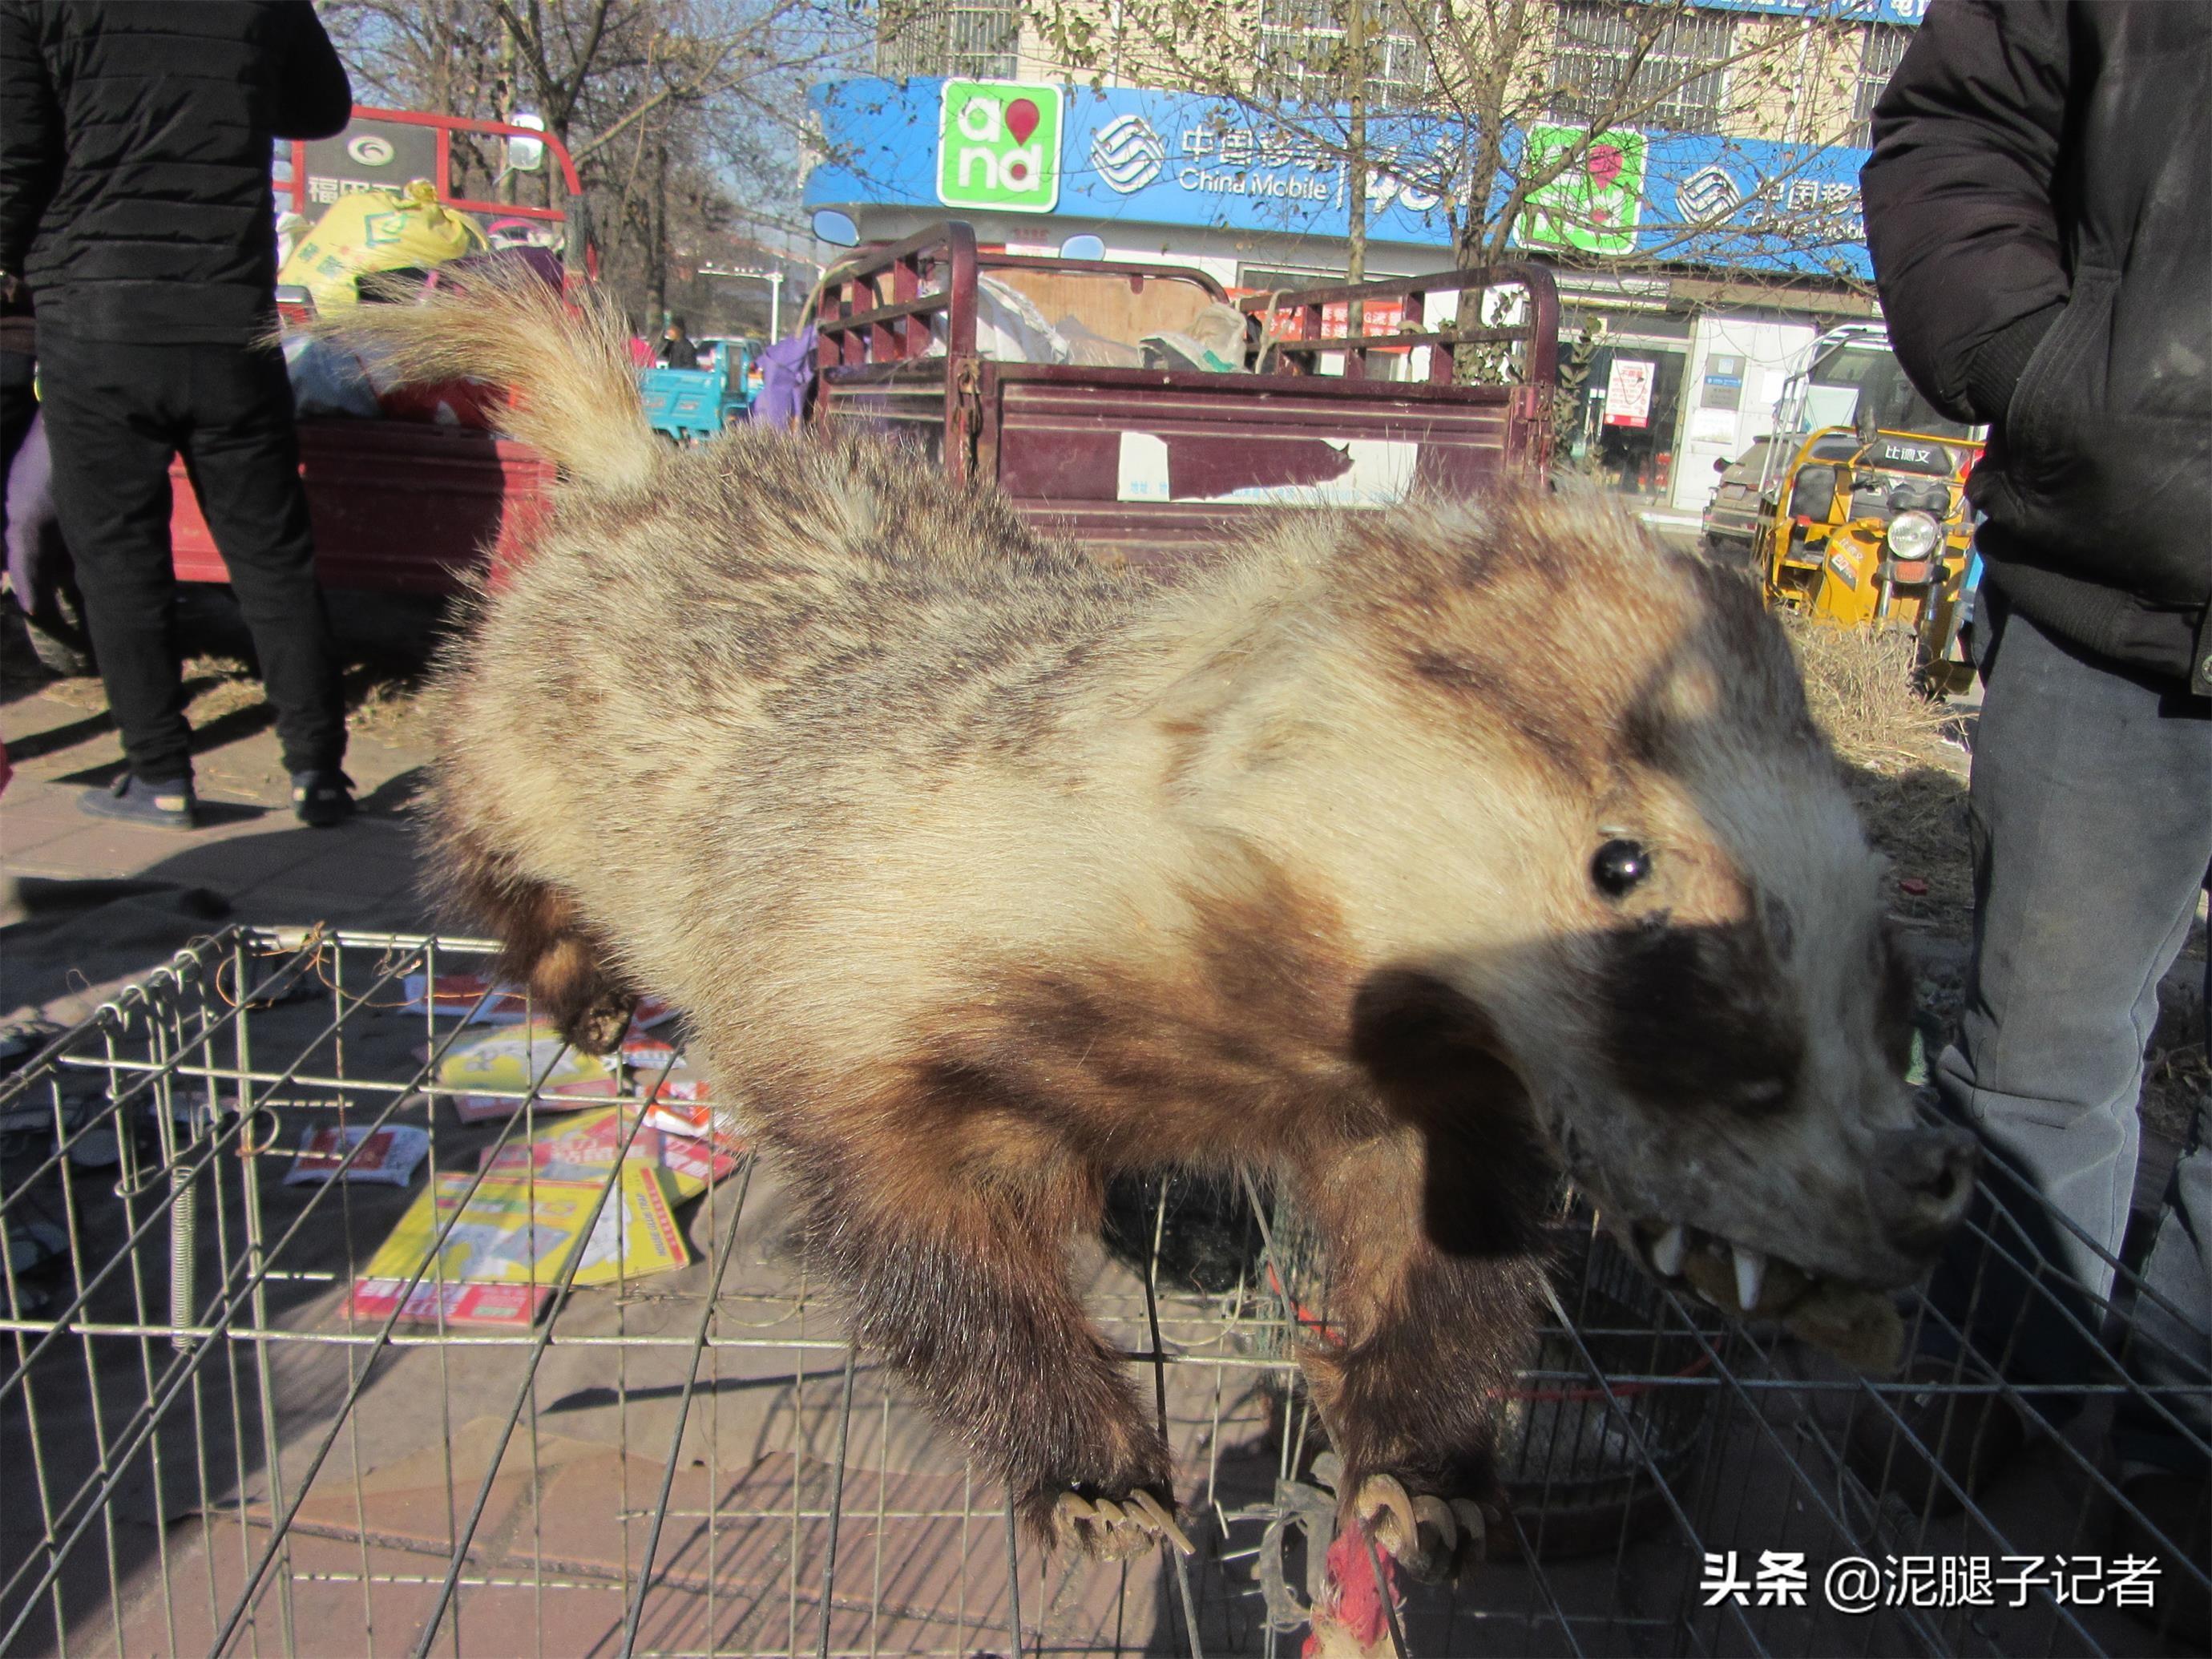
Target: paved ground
{"x": 82, "y": 893}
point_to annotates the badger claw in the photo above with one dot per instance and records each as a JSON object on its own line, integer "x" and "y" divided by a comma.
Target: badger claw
{"x": 1109, "y": 1531}
{"x": 1421, "y": 1533}
{"x": 1475, "y": 1531}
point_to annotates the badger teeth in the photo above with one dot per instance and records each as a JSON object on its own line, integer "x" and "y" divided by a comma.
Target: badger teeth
{"x": 1667, "y": 1252}
{"x": 1750, "y": 1274}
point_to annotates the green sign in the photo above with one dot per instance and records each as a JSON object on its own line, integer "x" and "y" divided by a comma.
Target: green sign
{"x": 1595, "y": 203}
{"x": 998, "y": 146}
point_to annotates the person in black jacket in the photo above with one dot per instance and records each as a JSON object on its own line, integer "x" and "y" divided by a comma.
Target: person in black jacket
{"x": 676, "y": 348}
{"x": 2038, "y": 205}
{"x": 135, "y": 200}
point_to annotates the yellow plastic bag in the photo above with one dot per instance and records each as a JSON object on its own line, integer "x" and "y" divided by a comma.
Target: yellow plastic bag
{"x": 373, "y": 230}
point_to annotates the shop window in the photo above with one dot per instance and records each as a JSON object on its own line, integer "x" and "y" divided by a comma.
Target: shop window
{"x": 1880, "y": 50}
{"x": 1637, "y": 65}
{"x": 976, "y": 41}
{"x": 1302, "y": 56}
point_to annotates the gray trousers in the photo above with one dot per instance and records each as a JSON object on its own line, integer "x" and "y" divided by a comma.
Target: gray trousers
{"x": 2091, "y": 816}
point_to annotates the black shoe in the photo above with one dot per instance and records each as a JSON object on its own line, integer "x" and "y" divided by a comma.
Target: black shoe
{"x": 130, "y": 799}
{"x": 322, "y": 798}
{"x": 1952, "y": 1409}
{"x": 2163, "y": 1515}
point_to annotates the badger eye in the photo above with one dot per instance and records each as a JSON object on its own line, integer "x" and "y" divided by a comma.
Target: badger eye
{"x": 1619, "y": 866}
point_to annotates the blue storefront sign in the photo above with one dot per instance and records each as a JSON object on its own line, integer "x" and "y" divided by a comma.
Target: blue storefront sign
{"x": 1138, "y": 156}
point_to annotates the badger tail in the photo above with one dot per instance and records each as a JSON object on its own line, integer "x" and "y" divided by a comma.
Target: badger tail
{"x": 564, "y": 363}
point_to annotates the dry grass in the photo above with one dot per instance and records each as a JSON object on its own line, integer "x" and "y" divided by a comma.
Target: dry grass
{"x": 223, "y": 685}
{"x": 382, "y": 698}
{"x": 1860, "y": 684}
{"x": 389, "y": 702}
{"x": 1909, "y": 783}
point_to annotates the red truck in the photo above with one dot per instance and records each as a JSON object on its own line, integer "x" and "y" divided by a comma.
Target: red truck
{"x": 405, "y": 506}
{"x": 1147, "y": 464}
{"x": 1144, "y": 463}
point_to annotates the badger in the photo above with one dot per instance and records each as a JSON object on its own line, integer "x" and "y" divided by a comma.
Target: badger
{"x": 1403, "y": 860}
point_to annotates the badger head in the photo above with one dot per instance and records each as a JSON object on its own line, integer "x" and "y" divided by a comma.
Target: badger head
{"x": 1609, "y": 857}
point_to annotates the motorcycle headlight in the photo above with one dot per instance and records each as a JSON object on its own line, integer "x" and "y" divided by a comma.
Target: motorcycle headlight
{"x": 1913, "y": 536}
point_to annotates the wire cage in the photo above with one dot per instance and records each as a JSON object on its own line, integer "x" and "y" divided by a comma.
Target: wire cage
{"x": 220, "y": 1431}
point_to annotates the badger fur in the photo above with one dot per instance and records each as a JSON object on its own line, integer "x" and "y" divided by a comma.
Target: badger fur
{"x": 1401, "y": 858}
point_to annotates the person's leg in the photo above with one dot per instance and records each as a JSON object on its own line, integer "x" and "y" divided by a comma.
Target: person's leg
{"x": 2170, "y": 1337}
{"x": 2091, "y": 841}
{"x": 2162, "y": 1437}
{"x": 243, "y": 453}
{"x": 106, "y": 416}
{"x": 18, "y": 405}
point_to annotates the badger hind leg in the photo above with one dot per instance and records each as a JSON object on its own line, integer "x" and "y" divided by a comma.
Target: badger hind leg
{"x": 1434, "y": 1317}
{"x": 949, "y": 1240}
{"x": 545, "y": 944}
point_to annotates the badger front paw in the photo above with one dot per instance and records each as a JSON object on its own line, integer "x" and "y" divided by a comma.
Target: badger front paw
{"x": 598, "y": 1027}
{"x": 1431, "y": 1538}
{"x": 1113, "y": 1530}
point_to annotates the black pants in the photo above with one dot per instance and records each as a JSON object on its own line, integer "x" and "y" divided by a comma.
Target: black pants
{"x": 18, "y": 406}
{"x": 114, "y": 416}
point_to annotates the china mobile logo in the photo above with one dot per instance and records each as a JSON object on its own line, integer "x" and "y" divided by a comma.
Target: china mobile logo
{"x": 1128, "y": 154}
{"x": 1711, "y": 192}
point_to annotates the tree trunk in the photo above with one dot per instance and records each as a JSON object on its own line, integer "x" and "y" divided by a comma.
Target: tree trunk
{"x": 507, "y": 180}
{"x": 1355, "y": 161}
{"x": 656, "y": 253}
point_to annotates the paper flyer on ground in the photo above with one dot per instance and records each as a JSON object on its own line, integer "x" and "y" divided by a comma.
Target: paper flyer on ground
{"x": 652, "y": 1055}
{"x": 581, "y": 1148}
{"x": 515, "y": 1230}
{"x": 510, "y": 1058}
{"x": 388, "y": 1154}
{"x": 498, "y": 1306}
{"x": 683, "y": 1103}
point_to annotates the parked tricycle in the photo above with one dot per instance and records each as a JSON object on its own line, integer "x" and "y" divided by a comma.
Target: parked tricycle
{"x": 1138, "y": 411}
{"x": 1853, "y": 511}
{"x": 691, "y": 405}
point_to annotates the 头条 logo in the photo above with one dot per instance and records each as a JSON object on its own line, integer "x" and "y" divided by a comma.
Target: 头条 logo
{"x": 998, "y": 146}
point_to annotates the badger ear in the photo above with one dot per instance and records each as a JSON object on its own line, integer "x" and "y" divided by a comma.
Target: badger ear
{"x": 1428, "y": 1046}
{"x": 1440, "y": 1068}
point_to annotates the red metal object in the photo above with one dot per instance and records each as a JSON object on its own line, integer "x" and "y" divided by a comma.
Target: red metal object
{"x": 1152, "y": 465}
{"x": 411, "y": 507}
{"x": 399, "y": 507}
{"x": 294, "y": 191}
{"x": 446, "y": 126}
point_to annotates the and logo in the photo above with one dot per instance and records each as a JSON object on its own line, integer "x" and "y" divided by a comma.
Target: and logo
{"x": 1596, "y": 201}
{"x": 1709, "y": 194}
{"x": 1128, "y": 154}
{"x": 369, "y": 150}
{"x": 998, "y": 146}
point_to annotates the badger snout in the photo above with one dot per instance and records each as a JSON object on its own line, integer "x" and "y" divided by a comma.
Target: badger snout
{"x": 1919, "y": 1184}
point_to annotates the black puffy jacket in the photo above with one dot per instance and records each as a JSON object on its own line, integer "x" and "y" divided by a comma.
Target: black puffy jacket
{"x": 2040, "y": 209}
{"x": 135, "y": 154}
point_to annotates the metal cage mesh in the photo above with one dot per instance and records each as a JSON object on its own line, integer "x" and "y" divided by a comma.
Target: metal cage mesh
{"x": 201, "y": 1448}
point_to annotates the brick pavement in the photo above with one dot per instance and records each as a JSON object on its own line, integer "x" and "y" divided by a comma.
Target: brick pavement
{"x": 252, "y": 862}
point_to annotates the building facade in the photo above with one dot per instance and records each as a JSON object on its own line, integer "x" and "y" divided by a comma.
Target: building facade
{"x": 1698, "y": 248}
